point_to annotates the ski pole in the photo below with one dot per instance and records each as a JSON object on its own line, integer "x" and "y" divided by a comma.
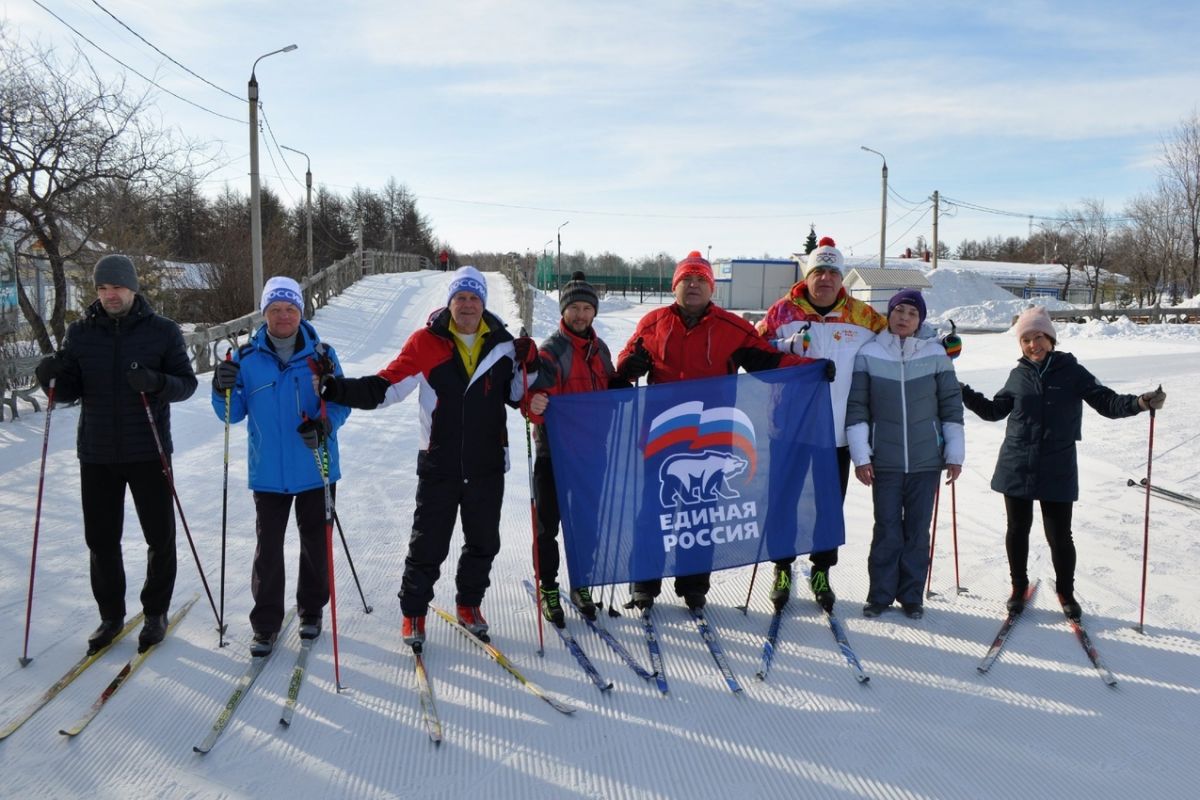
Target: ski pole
{"x": 321, "y": 454}
{"x": 1146, "y": 527}
{"x": 537, "y": 571}
{"x": 166, "y": 467}
{"x": 937, "y": 496}
{"x": 338, "y": 520}
{"x": 954, "y": 534}
{"x": 37, "y": 522}
{"x": 224, "y": 508}
{"x": 744, "y": 608}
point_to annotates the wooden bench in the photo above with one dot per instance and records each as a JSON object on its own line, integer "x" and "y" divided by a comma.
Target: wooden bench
{"x": 17, "y": 382}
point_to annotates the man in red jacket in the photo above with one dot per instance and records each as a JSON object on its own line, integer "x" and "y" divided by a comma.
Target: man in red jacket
{"x": 572, "y": 359}
{"x": 693, "y": 338}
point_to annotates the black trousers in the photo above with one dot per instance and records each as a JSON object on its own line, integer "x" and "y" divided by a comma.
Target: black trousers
{"x": 102, "y": 492}
{"x": 268, "y": 577}
{"x": 440, "y": 500}
{"x": 1056, "y": 521}
{"x": 824, "y": 559}
{"x": 545, "y": 495}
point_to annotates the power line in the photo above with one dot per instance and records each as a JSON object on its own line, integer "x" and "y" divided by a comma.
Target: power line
{"x": 164, "y": 55}
{"x": 263, "y": 115}
{"x": 1022, "y": 215}
{"x": 150, "y": 81}
{"x": 798, "y": 215}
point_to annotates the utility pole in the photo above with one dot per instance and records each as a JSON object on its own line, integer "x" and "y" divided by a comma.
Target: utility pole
{"x": 883, "y": 209}
{"x": 935, "y": 231}
{"x": 558, "y": 265}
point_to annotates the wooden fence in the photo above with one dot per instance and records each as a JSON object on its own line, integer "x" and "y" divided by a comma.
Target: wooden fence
{"x": 1142, "y": 316}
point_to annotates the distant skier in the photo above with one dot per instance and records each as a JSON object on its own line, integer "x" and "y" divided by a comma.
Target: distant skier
{"x": 1043, "y": 400}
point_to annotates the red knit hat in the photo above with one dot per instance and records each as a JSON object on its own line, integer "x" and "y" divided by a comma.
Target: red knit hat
{"x": 694, "y": 264}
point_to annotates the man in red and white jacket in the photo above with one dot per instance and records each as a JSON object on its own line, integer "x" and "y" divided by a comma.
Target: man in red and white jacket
{"x": 693, "y": 338}
{"x": 817, "y": 318}
{"x": 467, "y": 367}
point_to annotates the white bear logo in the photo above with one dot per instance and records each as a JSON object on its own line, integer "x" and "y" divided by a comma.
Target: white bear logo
{"x": 691, "y": 478}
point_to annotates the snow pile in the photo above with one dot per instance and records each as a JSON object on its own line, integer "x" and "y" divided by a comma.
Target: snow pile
{"x": 974, "y": 302}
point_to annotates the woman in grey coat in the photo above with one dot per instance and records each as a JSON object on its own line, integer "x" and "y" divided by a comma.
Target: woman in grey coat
{"x": 904, "y": 425}
{"x": 1043, "y": 401}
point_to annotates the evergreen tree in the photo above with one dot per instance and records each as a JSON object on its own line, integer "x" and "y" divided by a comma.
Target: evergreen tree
{"x": 810, "y": 243}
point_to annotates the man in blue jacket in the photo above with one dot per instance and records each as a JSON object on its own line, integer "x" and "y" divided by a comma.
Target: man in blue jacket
{"x": 120, "y": 354}
{"x": 270, "y": 382}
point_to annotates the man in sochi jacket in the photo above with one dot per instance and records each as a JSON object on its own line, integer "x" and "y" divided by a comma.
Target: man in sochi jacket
{"x": 904, "y": 423}
{"x": 818, "y": 319}
{"x": 467, "y": 367}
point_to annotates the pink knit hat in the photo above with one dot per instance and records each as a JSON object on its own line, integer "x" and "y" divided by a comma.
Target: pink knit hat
{"x": 1035, "y": 320}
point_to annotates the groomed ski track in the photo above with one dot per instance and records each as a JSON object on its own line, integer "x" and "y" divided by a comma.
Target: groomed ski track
{"x": 927, "y": 726}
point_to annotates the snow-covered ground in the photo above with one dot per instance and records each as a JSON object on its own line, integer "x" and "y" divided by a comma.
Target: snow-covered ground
{"x": 927, "y": 725}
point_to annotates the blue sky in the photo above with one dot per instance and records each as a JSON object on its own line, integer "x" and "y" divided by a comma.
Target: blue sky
{"x": 671, "y": 126}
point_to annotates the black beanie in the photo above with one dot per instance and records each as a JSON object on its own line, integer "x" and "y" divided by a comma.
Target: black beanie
{"x": 116, "y": 270}
{"x": 576, "y": 290}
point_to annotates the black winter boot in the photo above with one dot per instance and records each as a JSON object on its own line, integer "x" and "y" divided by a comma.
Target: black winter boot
{"x": 103, "y": 636}
{"x": 153, "y": 631}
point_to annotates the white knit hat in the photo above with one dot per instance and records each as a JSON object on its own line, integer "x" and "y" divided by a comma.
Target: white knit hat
{"x": 467, "y": 279}
{"x": 826, "y": 256}
{"x": 282, "y": 288}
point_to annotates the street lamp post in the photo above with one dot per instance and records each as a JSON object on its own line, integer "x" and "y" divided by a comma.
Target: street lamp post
{"x": 255, "y": 208}
{"x": 558, "y": 266}
{"x": 883, "y": 207}
{"x": 542, "y": 283}
{"x": 307, "y": 203}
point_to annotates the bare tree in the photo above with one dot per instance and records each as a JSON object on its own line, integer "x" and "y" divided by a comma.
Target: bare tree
{"x": 65, "y": 133}
{"x": 1155, "y": 244}
{"x": 1093, "y": 233}
{"x": 1181, "y": 173}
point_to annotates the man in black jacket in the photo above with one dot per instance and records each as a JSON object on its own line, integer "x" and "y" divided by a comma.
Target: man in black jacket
{"x": 120, "y": 354}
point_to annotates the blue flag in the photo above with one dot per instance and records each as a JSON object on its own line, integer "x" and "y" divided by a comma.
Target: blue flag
{"x": 700, "y": 475}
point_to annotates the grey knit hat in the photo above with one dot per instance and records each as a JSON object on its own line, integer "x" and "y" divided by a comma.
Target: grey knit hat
{"x": 576, "y": 290}
{"x": 116, "y": 270}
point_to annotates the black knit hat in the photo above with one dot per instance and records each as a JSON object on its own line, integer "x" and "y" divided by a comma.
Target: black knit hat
{"x": 576, "y": 290}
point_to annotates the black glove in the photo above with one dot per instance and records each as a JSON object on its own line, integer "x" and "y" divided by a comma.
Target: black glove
{"x": 146, "y": 380}
{"x": 314, "y": 431}
{"x": 225, "y": 375}
{"x": 526, "y": 351}
{"x": 1153, "y": 400}
{"x": 331, "y": 389}
{"x": 321, "y": 364}
{"x": 49, "y": 368}
{"x": 830, "y": 370}
{"x": 636, "y": 364}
